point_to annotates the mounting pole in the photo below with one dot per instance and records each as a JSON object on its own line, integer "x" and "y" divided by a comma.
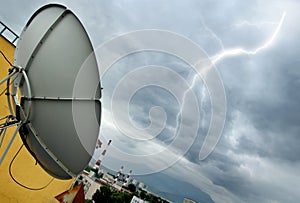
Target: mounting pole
{"x": 10, "y": 142}
{"x": 11, "y": 119}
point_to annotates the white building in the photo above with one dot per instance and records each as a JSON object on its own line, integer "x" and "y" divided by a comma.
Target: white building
{"x": 142, "y": 186}
{"x": 137, "y": 200}
{"x": 134, "y": 181}
{"x": 91, "y": 187}
{"x": 109, "y": 178}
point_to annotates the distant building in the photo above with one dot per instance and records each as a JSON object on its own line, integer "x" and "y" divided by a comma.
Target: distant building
{"x": 90, "y": 187}
{"x": 135, "y": 182}
{"x": 137, "y": 200}
{"x": 186, "y": 200}
{"x": 109, "y": 178}
{"x": 142, "y": 186}
{"x": 117, "y": 185}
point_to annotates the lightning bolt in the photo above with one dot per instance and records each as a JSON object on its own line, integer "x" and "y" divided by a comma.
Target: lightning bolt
{"x": 258, "y": 25}
{"x": 231, "y": 52}
{"x": 240, "y": 51}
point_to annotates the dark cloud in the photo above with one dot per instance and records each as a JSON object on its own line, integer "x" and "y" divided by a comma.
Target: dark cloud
{"x": 257, "y": 157}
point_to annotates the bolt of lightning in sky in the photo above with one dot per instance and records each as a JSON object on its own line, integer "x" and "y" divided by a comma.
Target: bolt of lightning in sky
{"x": 258, "y": 25}
{"x": 239, "y": 51}
{"x": 230, "y": 52}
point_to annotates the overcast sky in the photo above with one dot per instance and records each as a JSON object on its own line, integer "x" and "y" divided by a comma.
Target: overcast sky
{"x": 253, "y": 45}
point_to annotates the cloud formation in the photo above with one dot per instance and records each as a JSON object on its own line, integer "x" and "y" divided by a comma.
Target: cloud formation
{"x": 257, "y": 157}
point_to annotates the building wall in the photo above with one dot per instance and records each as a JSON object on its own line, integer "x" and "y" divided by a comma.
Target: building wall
{"x": 23, "y": 168}
{"x": 137, "y": 200}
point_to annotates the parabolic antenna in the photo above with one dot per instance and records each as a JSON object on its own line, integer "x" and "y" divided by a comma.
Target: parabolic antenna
{"x": 50, "y": 54}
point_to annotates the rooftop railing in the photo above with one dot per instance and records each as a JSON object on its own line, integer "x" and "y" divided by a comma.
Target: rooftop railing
{"x": 8, "y": 34}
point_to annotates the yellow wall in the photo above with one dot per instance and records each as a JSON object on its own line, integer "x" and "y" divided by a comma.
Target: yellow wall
{"x": 23, "y": 168}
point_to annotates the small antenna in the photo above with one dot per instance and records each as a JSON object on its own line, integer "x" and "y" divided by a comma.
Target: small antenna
{"x": 127, "y": 178}
{"x": 118, "y": 174}
{"x": 99, "y": 161}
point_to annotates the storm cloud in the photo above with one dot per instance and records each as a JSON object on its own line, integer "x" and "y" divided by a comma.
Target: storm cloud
{"x": 257, "y": 156}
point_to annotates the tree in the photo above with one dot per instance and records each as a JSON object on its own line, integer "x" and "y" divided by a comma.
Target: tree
{"x": 88, "y": 168}
{"x": 105, "y": 195}
{"x": 102, "y": 195}
{"x": 105, "y": 192}
{"x": 97, "y": 197}
{"x": 131, "y": 187}
{"x": 126, "y": 197}
{"x": 121, "y": 197}
{"x": 143, "y": 195}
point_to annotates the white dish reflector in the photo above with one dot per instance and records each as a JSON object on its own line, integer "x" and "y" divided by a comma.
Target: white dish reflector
{"x": 53, "y": 49}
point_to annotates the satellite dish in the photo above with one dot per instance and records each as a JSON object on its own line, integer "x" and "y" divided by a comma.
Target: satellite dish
{"x": 50, "y": 54}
